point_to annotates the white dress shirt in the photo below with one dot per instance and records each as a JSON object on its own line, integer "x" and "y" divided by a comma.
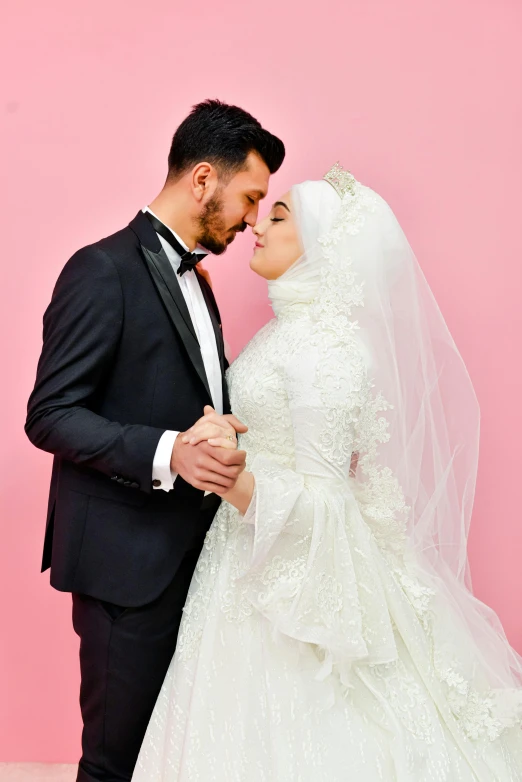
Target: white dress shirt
{"x": 200, "y": 317}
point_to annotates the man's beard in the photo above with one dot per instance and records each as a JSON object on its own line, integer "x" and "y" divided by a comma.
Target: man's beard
{"x": 213, "y": 235}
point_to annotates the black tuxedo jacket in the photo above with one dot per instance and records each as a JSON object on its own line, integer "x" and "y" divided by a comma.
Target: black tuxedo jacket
{"x": 120, "y": 364}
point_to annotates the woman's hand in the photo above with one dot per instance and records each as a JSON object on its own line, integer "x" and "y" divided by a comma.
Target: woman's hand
{"x": 241, "y": 495}
{"x": 219, "y": 430}
{"x": 223, "y": 436}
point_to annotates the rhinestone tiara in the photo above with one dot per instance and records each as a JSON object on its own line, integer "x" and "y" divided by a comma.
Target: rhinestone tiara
{"x": 341, "y": 180}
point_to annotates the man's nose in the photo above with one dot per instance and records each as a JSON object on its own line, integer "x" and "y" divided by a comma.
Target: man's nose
{"x": 251, "y": 216}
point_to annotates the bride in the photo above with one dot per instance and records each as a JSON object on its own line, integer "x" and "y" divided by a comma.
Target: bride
{"x": 330, "y": 634}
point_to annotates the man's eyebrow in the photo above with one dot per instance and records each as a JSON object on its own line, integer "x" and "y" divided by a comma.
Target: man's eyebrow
{"x": 280, "y": 203}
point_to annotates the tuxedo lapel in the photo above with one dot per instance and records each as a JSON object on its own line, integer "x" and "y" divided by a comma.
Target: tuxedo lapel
{"x": 213, "y": 311}
{"x": 167, "y": 286}
{"x": 218, "y": 331}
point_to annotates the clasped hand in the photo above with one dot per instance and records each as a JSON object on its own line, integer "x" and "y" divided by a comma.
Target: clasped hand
{"x": 206, "y": 455}
{"x": 218, "y": 430}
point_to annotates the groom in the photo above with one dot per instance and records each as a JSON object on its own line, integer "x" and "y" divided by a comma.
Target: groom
{"x": 132, "y": 353}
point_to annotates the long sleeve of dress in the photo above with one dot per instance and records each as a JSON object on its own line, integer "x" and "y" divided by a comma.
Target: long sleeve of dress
{"x": 311, "y": 568}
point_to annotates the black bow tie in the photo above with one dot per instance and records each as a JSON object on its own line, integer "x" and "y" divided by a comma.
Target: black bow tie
{"x": 189, "y": 261}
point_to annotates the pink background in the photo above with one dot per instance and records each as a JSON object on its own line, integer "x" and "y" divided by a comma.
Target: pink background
{"x": 421, "y": 100}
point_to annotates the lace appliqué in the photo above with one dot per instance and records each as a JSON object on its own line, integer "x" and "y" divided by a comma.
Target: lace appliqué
{"x": 284, "y": 577}
{"x": 329, "y": 598}
{"x": 234, "y": 602}
{"x": 479, "y": 714}
{"x": 258, "y": 394}
{"x": 407, "y": 699}
{"x": 353, "y": 423}
{"x": 419, "y": 595}
{"x": 202, "y": 586}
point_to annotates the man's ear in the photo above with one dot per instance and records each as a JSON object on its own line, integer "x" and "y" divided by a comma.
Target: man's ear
{"x": 203, "y": 181}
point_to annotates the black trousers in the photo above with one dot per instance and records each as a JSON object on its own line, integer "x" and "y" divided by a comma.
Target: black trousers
{"x": 124, "y": 657}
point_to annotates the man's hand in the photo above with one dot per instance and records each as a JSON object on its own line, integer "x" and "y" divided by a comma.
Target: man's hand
{"x": 207, "y": 467}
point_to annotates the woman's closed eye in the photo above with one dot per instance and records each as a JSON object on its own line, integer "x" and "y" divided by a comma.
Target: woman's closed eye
{"x": 276, "y": 219}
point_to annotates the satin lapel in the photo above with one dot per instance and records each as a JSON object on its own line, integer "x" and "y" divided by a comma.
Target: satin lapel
{"x": 214, "y": 317}
{"x": 213, "y": 311}
{"x": 164, "y": 279}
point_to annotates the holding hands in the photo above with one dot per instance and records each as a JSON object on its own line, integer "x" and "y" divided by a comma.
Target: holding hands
{"x": 207, "y": 457}
{"x": 218, "y": 430}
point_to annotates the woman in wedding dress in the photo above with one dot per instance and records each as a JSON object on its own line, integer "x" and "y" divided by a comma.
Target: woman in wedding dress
{"x": 330, "y": 634}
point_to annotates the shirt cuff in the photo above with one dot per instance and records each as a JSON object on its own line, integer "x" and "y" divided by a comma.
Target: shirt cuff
{"x": 162, "y": 475}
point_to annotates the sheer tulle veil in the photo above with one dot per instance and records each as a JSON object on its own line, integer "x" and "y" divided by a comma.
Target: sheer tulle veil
{"x": 416, "y": 479}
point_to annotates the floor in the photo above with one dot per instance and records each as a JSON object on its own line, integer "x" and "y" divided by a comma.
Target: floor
{"x": 37, "y": 772}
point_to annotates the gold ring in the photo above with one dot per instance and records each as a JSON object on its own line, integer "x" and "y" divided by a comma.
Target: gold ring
{"x": 229, "y": 437}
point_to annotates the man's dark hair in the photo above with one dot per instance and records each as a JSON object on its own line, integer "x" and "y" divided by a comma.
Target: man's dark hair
{"x": 224, "y": 136}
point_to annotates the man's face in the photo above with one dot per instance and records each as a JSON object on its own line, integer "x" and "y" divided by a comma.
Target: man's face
{"x": 233, "y": 206}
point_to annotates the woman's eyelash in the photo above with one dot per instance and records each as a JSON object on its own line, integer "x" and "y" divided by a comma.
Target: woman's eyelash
{"x": 276, "y": 219}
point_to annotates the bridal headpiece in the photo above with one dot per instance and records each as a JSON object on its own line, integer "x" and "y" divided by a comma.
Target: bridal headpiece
{"x": 341, "y": 180}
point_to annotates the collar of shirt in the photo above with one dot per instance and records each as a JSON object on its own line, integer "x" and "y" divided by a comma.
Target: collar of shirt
{"x": 172, "y": 255}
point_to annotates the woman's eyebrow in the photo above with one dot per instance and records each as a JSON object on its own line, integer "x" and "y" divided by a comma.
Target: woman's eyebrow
{"x": 280, "y": 203}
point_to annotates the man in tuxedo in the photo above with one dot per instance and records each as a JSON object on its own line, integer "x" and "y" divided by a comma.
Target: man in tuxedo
{"x": 132, "y": 353}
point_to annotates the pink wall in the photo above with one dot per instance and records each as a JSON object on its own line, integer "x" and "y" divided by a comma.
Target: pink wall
{"x": 421, "y": 100}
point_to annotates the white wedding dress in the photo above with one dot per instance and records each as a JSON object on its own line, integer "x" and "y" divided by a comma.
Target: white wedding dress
{"x": 314, "y": 647}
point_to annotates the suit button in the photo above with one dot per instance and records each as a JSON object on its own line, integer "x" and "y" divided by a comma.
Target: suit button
{"x": 135, "y": 485}
{"x": 120, "y": 480}
{"x": 114, "y": 477}
{"x": 156, "y": 482}
{"x": 127, "y": 483}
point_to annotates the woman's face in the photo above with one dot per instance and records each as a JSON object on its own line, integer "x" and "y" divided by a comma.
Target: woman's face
{"x": 278, "y": 245}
